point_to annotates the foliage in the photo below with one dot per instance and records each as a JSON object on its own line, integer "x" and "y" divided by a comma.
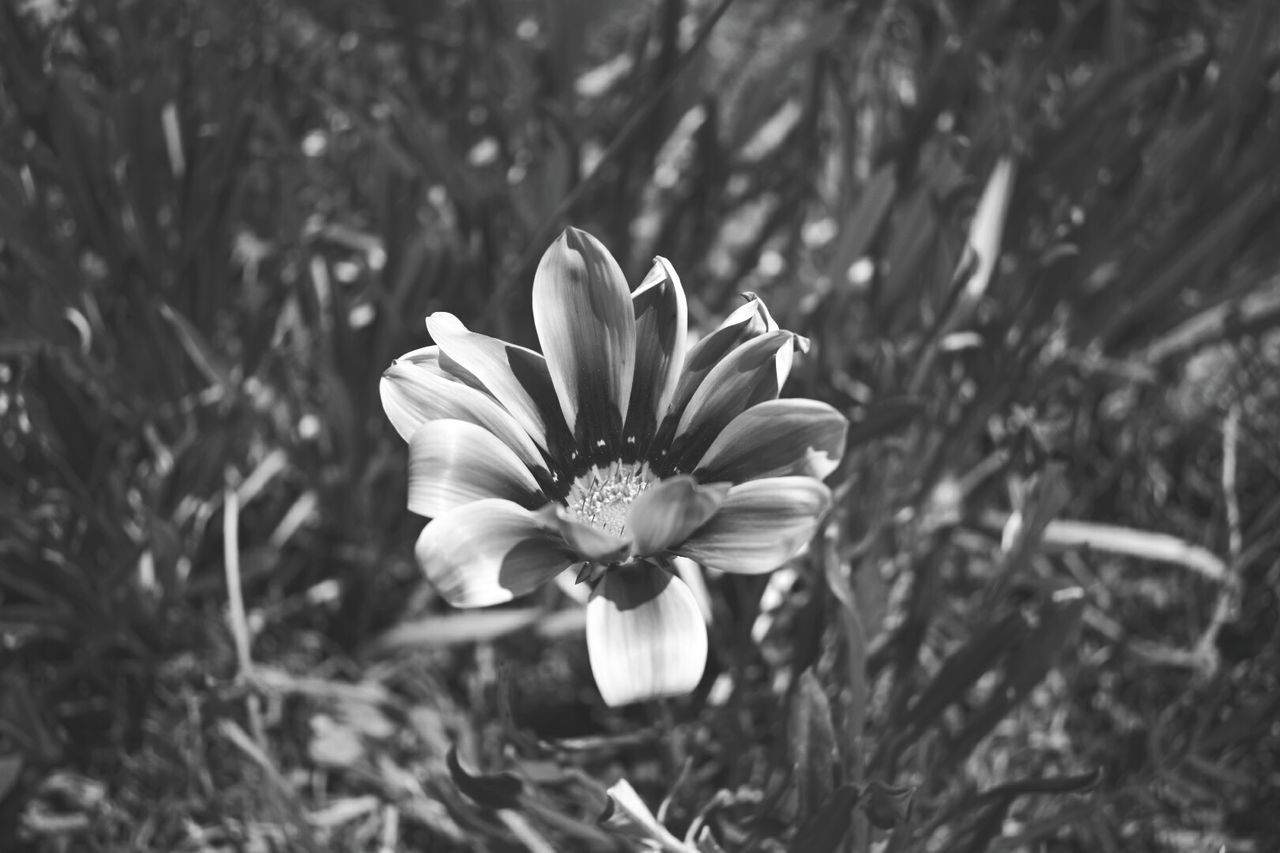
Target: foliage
{"x": 1033, "y": 245}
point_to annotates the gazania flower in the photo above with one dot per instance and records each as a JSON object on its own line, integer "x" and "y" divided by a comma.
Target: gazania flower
{"x": 614, "y": 450}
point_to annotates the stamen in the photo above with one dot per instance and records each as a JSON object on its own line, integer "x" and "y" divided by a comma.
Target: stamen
{"x": 603, "y": 496}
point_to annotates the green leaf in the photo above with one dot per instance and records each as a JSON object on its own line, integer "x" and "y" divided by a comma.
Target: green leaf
{"x": 826, "y": 829}
{"x": 1028, "y": 663}
{"x": 863, "y": 222}
{"x": 982, "y": 653}
{"x": 812, "y": 741}
{"x": 10, "y": 772}
{"x": 887, "y": 806}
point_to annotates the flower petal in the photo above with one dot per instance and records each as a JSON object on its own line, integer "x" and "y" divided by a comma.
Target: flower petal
{"x": 588, "y": 541}
{"x": 761, "y": 525}
{"x": 774, "y": 439}
{"x": 751, "y": 374}
{"x": 415, "y": 390}
{"x": 645, "y": 635}
{"x": 587, "y": 325}
{"x": 661, "y": 331}
{"x": 453, "y": 462}
{"x": 488, "y": 552}
{"x": 748, "y": 321}
{"x": 516, "y": 377}
{"x": 667, "y": 512}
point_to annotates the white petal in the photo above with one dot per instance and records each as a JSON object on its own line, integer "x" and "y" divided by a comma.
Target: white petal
{"x": 516, "y": 377}
{"x": 645, "y": 635}
{"x": 661, "y": 332}
{"x": 777, "y": 438}
{"x": 417, "y": 391}
{"x": 749, "y": 321}
{"x": 748, "y": 375}
{"x": 761, "y": 525}
{"x": 667, "y": 512}
{"x": 586, "y": 323}
{"x": 488, "y": 552}
{"x": 452, "y": 463}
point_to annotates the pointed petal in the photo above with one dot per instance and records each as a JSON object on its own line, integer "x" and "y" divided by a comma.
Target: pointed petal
{"x": 661, "y": 331}
{"x": 645, "y": 635}
{"x": 516, "y": 377}
{"x": 748, "y": 321}
{"x": 751, "y": 374}
{"x": 586, "y": 323}
{"x": 588, "y": 541}
{"x": 452, "y": 463}
{"x": 488, "y": 552}
{"x": 415, "y": 390}
{"x": 761, "y": 525}
{"x": 667, "y": 512}
{"x": 777, "y": 438}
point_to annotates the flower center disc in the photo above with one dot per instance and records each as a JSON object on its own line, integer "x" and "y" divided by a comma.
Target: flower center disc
{"x": 602, "y": 497}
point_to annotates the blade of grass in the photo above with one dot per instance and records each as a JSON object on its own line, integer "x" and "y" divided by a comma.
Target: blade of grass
{"x": 1122, "y": 541}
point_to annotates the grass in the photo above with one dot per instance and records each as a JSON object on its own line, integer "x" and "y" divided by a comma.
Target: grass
{"x": 1032, "y": 245}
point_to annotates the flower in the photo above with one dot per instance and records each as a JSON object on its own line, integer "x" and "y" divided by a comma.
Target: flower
{"x": 615, "y": 450}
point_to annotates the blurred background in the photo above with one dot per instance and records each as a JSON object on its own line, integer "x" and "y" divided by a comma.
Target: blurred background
{"x": 1037, "y": 250}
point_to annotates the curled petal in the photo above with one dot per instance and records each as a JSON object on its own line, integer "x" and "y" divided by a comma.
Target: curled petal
{"x": 761, "y": 525}
{"x": 426, "y": 357}
{"x": 661, "y": 330}
{"x": 516, "y": 377}
{"x": 667, "y": 512}
{"x": 777, "y": 438}
{"x": 415, "y": 390}
{"x": 645, "y": 635}
{"x": 587, "y": 325}
{"x": 452, "y": 463}
{"x": 751, "y": 374}
{"x": 588, "y": 541}
{"x": 489, "y": 551}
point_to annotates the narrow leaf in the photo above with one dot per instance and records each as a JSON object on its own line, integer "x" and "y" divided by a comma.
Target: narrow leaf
{"x": 812, "y": 740}
{"x": 496, "y": 790}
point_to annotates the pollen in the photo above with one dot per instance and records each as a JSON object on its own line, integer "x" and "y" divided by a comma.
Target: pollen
{"x": 602, "y": 496}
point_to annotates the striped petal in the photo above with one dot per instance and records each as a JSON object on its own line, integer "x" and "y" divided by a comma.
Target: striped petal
{"x": 751, "y": 374}
{"x": 667, "y": 512}
{"x": 645, "y": 635}
{"x": 416, "y": 390}
{"x": 516, "y": 377}
{"x": 661, "y": 330}
{"x": 452, "y": 463}
{"x": 488, "y": 552}
{"x": 748, "y": 321}
{"x": 587, "y": 325}
{"x": 776, "y": 438}
{"x": 761, "y": 525}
